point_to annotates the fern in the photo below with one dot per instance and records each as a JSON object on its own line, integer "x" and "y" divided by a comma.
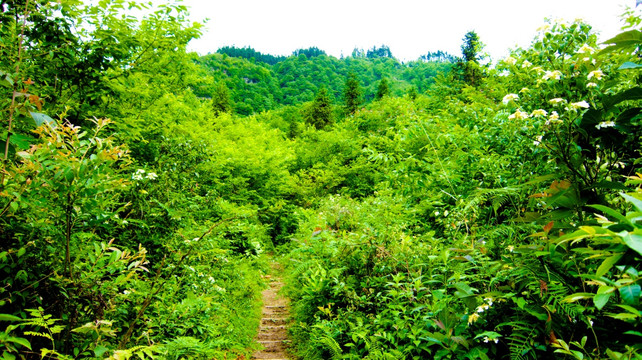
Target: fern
{"x": 44, "y": 325}
{"x": 332, "y": 345}
{"x": 521, "y": 342}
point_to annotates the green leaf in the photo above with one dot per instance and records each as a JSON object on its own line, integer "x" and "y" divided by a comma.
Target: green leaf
{"x": 636, "y": 202}
{"x": 630, "y": 94}
{"x": 630, "y": 294}
{"x": 21, "y": 341}
{"x": 40, "y": 119}
{"x": 612, "y": 213}
{"x": 607, "y": 264}
{"x": 632, "y": 240}
{"x": 629, "y": 65}
{"x": 631, "y": 332}
{"x": 578, "y": 296}
{"x": 627, "y": 39}
{"x": 7, "y": 317}
{"x": 600, "y": 300}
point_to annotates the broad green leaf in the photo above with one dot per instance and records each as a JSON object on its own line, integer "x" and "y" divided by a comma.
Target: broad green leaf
{"x": 40, "y": 119}
{"x": 21, "y": 341}
{"x": 629, "y": 65}
{"x": 628, "y": 39}
{"x": 490, "y": 334}
{"x": 630, "y": 94}
{"x": 612, "y": 213}
{"x": 613, "y": 185}
{"x": 632, "y": 240}
{"x": 631, "y": 332}
{"x": 630, "y": 294}
{"x": 600, "y": 300}
{"x": 578, "y": 296}
{"x": 636, "y": 202}
{"x": 607, "y": 264}
{"x": 100, "y": 350}
{"x": 7, "y": 317}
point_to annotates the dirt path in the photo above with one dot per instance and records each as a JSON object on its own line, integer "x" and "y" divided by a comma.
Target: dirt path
{"x": 273, "y": 333}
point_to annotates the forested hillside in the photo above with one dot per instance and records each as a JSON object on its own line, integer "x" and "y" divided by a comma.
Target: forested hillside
{"x": 445, "y": 208}
{"x": 256, "y": 82}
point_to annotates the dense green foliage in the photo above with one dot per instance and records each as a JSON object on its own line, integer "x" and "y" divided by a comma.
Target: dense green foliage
{"x": 256, "y": 85}
{"x": 496, "y": 216}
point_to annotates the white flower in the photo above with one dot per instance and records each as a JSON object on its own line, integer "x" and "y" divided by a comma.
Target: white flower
{"x": 539, "y": 112}
{"x": 585, "y": 49}
{"x": 510, "y": 248}
{"x": 579, "y": 105}
{"x": 151, "y": 176}
{"x": 605, "y": 124}
{"x": 510, "y": 60}
{"x": 518, "y": 115}
{"x": 591, "y": 85}
{"x": 554, "y": 118}
{"x": 138, "y": 175}
{"x": 555, "y": 75}
{"x": 526, "y": 64}
{"x": 538, "y": 140}
{"x": 557, "y": 101}
{"x": 597, "y": 74}
{"x": 510, "y": 97}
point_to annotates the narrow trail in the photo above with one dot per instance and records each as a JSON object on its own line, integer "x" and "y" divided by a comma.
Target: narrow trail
{"x": 273, "y": 334}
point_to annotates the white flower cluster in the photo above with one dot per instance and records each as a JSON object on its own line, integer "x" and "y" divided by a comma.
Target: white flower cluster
{"x": 518, "y": 115}
{"x": 509, "y": 98}
{"x": 141, "y": 174}
{"x": 605, "y": 124}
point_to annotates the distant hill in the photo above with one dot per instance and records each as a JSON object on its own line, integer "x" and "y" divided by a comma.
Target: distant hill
{"x": 258, "y": 82}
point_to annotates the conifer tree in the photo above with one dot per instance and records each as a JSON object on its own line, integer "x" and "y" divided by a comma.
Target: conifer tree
{"x": 382, "y": 89}
{"x": 471, "y": 49}
{"x": 352, "y": 94}
{"x": 319, "y": 112}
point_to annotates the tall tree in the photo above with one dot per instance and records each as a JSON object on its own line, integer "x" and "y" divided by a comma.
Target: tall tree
{"x": 383, "y": 89}
{"x": 352, "y": 93}
{"x": 221, "y": 102}
{"x": 471, "y": 49}
{"x": 319, "y": 112}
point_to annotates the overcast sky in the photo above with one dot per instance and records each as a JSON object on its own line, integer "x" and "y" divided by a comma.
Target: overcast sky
{"x": 410, "y": 28}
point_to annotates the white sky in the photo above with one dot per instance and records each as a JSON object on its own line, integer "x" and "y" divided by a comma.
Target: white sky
{"x": 409, "y": 27}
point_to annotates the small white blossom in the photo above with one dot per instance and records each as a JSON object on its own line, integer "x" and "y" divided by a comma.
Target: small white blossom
{"x": 509, "y": 98}
{"x": 591, "y": 85}
{"x": 510, "y": 60}
{"x": 538, "y": 140}
{"x": 557, "y": 101}
{"x": 585, "y": 49}
{"x": 605, "y": 124}
{"x": 539, "y": 112}
{"x": 579, "y": 105}
{"x": 555, "y": 75}
{"x": 518, "y": 115}
{"x": 138, "y": 175}
{"x": 151, "y": 176}
{"x": 526, "y": 64}
{"x": 597, "y": 74}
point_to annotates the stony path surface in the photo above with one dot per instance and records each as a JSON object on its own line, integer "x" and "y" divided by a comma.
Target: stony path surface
{"x": 273, "y": 333}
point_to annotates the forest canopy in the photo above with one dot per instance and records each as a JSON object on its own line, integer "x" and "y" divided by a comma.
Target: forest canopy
{"x": 443, "y": 208}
